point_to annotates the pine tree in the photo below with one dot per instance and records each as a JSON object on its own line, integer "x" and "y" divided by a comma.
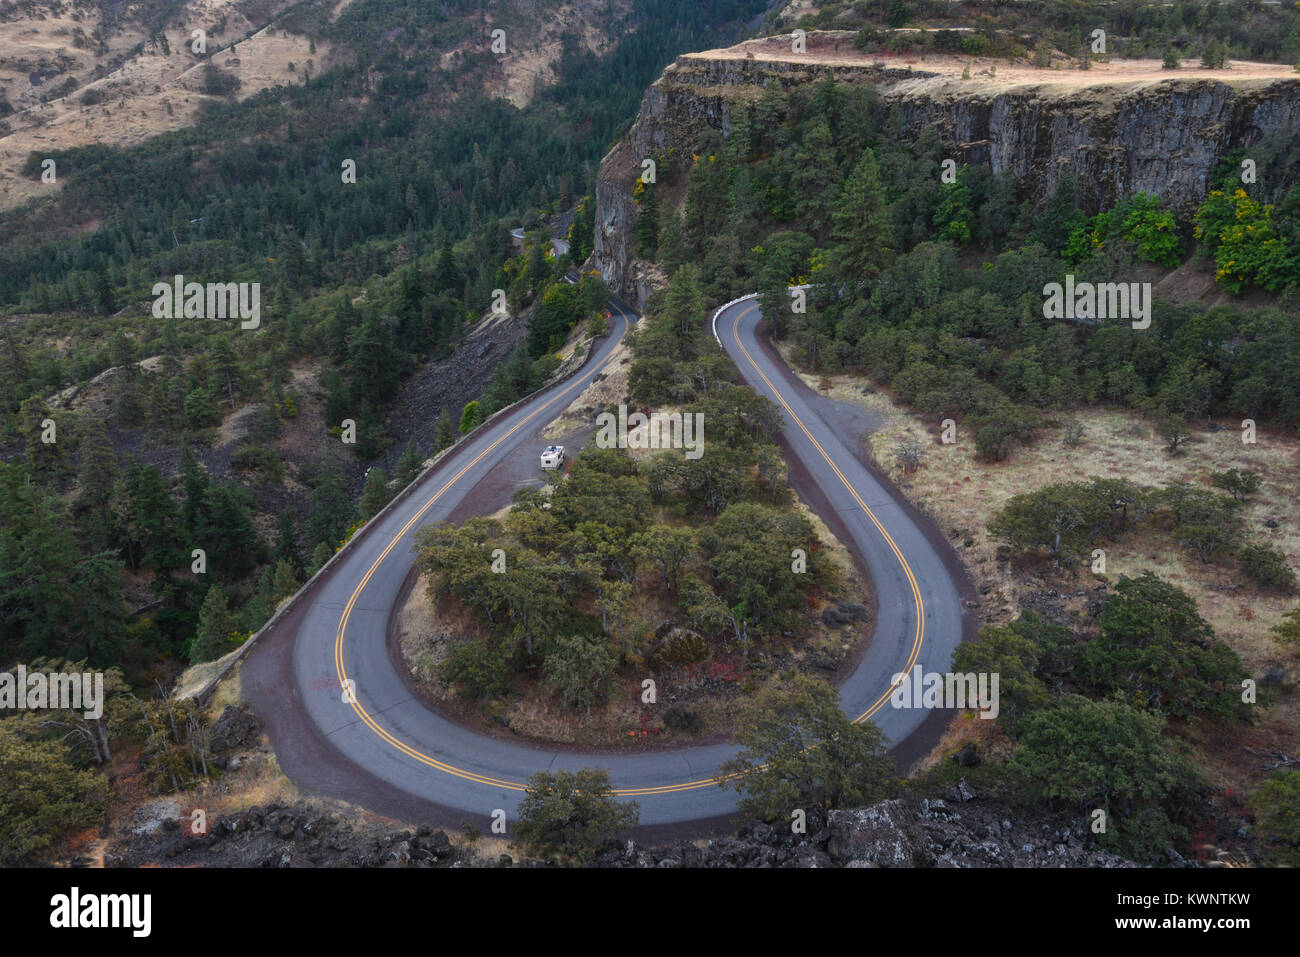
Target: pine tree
{"x": 861, "y": 224}
{"x": 104, "y": 293}
{"x": 259, "y": 606}
{"x": 194, "y": 483}
{"x": 226, "y": 367}
{"x": 813, "y": 178}
{"x": 647, "y": 226}
{"x": 671, "y": 251}
{"x": 37, "y": 556}
{"x": 329, "y": 513}
{"x": 374, "y": 496}
{"x": 126, "y": 387}
{"x": 14, "y": 369}
{"x": 1215, "y": 55}
{"x": 149, "y": 519}
{"x": 538, "y": 271}
{"x": 684, "y": 305}
{"x": 740, "y": 141}
{"x": 96, "y": 476}
{"x": 775, "y": 306}
{"x": 45, "y": 457}
{"x": 408, "y": 466}
{"x": 445, "y": 433}
{"x": 231, "y": 538}
{"x": 216, "y": 625}
{"x": 446, "y": 277}
{"x": 286, "y": 540}
{"x": 285, "y": 583}
{"x": 770, "y": 115}
{"x": 1058, "y": 218}
{"x": 319, "y": 556}
{"x": 100, "y": 611}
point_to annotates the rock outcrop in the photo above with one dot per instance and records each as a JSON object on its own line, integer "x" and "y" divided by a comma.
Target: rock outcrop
{"x": 1116, "y": 130}
{"x": 298, "y": 835}
{"x": 961, "y": 830}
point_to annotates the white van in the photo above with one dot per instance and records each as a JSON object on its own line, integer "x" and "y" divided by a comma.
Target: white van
{"x": 553, "y": 457}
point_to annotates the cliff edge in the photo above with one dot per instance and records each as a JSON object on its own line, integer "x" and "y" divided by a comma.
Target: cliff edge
{"x": 1119, "y": 128}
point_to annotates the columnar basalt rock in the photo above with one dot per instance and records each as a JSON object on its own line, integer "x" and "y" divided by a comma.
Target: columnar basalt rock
{"x": 1117, "y": 134}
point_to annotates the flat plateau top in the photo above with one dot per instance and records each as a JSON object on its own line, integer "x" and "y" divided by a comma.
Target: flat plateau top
{"x": 945, "y": 70}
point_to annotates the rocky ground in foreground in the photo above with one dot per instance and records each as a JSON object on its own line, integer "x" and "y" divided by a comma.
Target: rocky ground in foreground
{"x": 904, "y": 832}
{"x": 961, "y": 828}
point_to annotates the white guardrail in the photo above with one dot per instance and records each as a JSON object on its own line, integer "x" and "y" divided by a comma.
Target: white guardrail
{"x": 724, "y": 307}
{"x": 753, "y": 295}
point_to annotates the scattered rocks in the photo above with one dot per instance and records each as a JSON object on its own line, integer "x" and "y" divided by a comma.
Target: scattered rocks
{"x": 237, "y": 727}
{"x": 960, "y": 830}
{"x": 287, "y": 836}
{"x": 844, "y": 613}
{"x": 884, "y": 835}
{"x": 153, "y": 817}
{"x": 961, "y": 791}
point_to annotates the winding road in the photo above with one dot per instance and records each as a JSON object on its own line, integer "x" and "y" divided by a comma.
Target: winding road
{"x": 344, "y": 723}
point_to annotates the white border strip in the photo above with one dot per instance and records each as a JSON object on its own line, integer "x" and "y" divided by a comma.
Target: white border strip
{"x": 753, "y": 295}
{"x": 724, "y": 308}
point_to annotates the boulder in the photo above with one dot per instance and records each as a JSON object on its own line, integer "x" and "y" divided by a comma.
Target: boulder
{"x": 885, "y": 835}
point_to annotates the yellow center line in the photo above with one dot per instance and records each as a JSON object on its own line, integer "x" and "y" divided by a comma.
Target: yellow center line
{"x": 626, "y": 792}
{"x": 341, "y": 668}
{"x": 919, "y": 635}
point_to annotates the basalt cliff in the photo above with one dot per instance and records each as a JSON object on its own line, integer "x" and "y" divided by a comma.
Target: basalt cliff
{"x": 1120, "y": 128}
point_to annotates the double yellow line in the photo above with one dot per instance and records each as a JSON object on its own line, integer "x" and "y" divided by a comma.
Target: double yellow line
{"x": 432, "y": 762}
{"x": 918, "y": 637}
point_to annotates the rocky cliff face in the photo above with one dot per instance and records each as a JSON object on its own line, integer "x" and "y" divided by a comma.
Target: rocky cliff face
{"x": 1118, "y": 129}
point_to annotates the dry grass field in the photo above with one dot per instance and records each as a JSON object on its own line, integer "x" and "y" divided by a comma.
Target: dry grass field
{"x": 962, "y": 493}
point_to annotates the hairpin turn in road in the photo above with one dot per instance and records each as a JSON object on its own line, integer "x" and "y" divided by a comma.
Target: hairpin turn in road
{"x": 344, "y": 722}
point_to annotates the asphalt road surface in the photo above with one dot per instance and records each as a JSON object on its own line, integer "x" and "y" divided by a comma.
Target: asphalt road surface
{"x": 344, "y": 723}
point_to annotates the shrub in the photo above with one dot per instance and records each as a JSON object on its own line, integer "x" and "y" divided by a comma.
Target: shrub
{"x": 1110, "y": 755}
{"x": 1140, "y": 220}
{"x": 1156, "y": 651}
{"x": 481, "y": 670}
{"x": 799, "y": 750}
{"x": 253, "y": 458}
{"x": 46, "y": 794}
{"x": 1240, "y": 483}
{"x": 218, "y": 82}
{"x": 572, "y": 813}
{"x": 1275, "y": 805}
{"x": 1248, "y": 249}
{"x": 1266, "y": 565}
{"x": 1287, "y": 631}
